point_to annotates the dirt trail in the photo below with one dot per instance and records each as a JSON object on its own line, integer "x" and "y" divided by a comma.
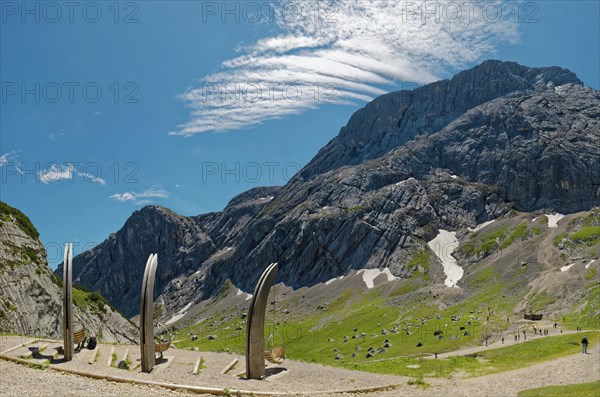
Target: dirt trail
{"x": 577, "y": 368}
{"x": 508, "y": 341}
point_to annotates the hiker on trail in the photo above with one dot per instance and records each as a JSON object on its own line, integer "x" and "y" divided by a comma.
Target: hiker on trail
{"x": 584, "y": 344}
{"x": 503, "y": 340}
{"x": 486, "y": 342}
{"x": 561, "y": 330}
{"x": 555, "y": 324}
{"x": 515, "y": 337}
{"x": 524, "y": 335}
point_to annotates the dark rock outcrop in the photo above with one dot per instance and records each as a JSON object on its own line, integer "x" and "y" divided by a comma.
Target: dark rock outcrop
{"x": 447, "y": 155}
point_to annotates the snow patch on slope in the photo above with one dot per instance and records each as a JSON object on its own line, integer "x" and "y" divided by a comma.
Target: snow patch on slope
{"x": 481, "y": 226}
{"x": 590, "y": 263}
{"x": 443, "y": 245}
{"x": 553, "y": 219}
{"x": 179, "y": 314}
{"x": 333, "y": 279}
{"x": 565, "y": 268}
{"x": 240, "y": 292}
{"x": 369, "y": 275}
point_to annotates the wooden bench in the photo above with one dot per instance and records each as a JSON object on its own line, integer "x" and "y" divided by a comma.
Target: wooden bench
{"x": 79, "y": 338}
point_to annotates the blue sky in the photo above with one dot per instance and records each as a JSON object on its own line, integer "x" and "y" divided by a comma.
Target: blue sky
{"x": 141, "y": 118}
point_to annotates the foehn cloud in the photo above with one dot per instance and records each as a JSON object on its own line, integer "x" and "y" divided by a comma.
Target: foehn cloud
{"x": 342, "y": 52}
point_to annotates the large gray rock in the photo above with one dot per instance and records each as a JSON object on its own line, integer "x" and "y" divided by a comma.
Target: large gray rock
{"x": 398, "y": 117}
{"x": 31, "y": 296}
{"x": 115, "y": 267}
{"x": 448, "y": 155}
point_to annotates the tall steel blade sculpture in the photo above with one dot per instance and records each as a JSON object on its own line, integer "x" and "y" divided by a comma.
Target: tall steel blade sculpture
{"x": 255, "y": 330}
{"x": 146, "y": 315}
{"x": 68, "y": 347}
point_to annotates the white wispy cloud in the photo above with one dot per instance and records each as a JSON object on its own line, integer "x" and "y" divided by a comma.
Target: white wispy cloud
{"x": 92, "y": 178}
{"x": 141, "y": 198}
{"x": 344, "y": 53}
{"x": 56, "y": 172}
{"x": 10, "y": 158}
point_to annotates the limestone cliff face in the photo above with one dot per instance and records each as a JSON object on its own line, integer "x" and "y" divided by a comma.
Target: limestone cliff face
{"x": 31, "y": 295}
{"x": 497, "y": 137}
{"x": 396, "y": 118}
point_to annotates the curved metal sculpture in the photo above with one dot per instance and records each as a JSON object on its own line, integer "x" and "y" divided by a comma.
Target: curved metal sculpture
{"x": 68, "y": 337}
{"x": 146, "y": 315}
{"x": 255, "y": 329}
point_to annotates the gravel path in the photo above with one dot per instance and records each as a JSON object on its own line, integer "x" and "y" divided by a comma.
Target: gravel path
{"x": 18, "y": 380}
{"x": 577, "y": 368}
{"x": 508, "y": 340}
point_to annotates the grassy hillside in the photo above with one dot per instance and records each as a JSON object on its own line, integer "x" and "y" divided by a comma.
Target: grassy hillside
{"x": 6, "y": 211}
{"x": 591, "y": 389}
{"x": 512, "y": 267}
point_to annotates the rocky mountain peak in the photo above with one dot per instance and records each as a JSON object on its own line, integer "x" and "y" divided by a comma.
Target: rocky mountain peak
{"x": 448, "y": 155}
{"x": 398, "y": 117}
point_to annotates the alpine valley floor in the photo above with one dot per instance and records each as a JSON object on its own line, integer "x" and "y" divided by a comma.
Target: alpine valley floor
{"x": 42, "y": 374}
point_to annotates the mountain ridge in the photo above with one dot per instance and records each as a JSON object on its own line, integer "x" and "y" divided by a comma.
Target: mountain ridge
{"x": 419, "y": 171}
